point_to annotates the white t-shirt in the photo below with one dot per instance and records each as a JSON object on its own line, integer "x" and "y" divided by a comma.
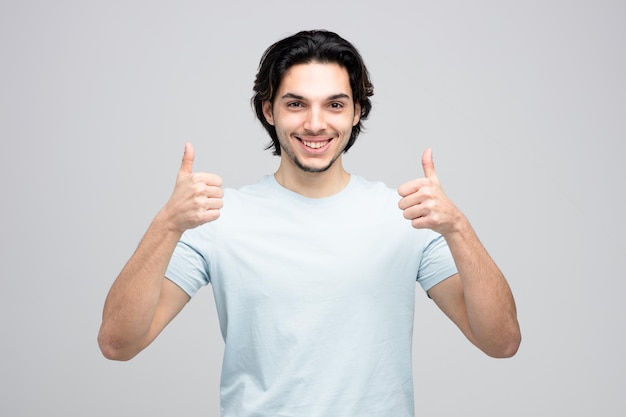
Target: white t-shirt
{"x": 315, "y": 298}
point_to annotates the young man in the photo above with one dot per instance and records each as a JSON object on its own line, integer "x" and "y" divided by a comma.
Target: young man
{"x": 313, "y": 269}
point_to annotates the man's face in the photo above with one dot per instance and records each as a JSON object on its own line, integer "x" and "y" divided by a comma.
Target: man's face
{"x": 313, "y": 113}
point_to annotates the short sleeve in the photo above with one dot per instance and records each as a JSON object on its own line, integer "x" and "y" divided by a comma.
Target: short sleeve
{"x": 188, "y": 269}
{"x": 437, "y": 263}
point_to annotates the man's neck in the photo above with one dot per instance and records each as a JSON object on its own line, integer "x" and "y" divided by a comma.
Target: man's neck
{"x": 313, "y": 184}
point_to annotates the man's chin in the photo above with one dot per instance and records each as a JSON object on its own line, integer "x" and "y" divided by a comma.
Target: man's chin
{"x": 312, "y": 164}
{"x": 314, "y": 169}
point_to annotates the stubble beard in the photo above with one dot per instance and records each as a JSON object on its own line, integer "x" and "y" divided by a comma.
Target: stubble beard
{"x": 292, "y": 156}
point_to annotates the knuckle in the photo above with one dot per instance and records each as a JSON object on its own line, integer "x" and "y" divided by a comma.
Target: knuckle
{"x": 410, "y": 213}
{"x": 215, "y": 203}
{"x": 212, "y": 215}
{"x": 427, "y": 192}
{"x": 217, "y": 181}
{"x": 197, "y": 188}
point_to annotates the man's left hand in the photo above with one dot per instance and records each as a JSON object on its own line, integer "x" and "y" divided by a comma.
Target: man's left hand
{"x": 426, "y": 205}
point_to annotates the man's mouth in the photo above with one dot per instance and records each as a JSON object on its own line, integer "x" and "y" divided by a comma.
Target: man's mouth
{"x": 315, "y": 144}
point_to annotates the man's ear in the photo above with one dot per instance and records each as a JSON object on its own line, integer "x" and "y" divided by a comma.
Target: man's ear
{"x": 357, "y": 114}
{"x": 267, "y": 112}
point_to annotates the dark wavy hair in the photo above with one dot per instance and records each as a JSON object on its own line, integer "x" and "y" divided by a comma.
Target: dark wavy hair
{"x": 305, "y": 47}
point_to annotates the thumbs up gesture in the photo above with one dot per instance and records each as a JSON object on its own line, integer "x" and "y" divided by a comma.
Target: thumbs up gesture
{"x": 425, "y": 204}
{"x": 197, "y": 196}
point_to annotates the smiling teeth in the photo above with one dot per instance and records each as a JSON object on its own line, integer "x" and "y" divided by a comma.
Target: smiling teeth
{"x": 315, "y": 145}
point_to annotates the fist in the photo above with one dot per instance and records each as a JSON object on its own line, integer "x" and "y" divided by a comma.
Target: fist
{"x": 425, "y": 204}
{"x": 197, "y": 196}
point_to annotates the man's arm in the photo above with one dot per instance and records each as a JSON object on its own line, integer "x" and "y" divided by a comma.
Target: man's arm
{"x": 141, "y": 301}
{"x": 477, "y": 299}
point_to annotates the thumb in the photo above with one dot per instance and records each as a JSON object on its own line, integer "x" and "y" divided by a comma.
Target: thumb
{"x": 428, "y": 165}
{"x": 186, "y": 165}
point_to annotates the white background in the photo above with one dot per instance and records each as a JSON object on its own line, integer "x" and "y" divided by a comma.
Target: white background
{"x": 524, "y": 104}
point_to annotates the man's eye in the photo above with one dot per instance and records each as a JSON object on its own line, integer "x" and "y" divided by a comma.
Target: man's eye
{"x": 336, "y": 105}
{"x": 294, "y": 104}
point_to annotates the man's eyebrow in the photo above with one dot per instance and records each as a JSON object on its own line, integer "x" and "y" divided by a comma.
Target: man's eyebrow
{"x": 339, "y": 96}
{"x": 333, "y": 97}
{"x": 293, "y": 96}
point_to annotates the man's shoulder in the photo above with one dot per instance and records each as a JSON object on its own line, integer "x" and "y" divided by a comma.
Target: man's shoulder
{"x": 260, "y": 187}
{"x": 367, "y": 184}
{"x": 373, "y": 189}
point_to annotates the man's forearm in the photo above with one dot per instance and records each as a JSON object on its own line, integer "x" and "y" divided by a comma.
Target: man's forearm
{"x": 491, "y": 310}
{"x": 130, "y": 306}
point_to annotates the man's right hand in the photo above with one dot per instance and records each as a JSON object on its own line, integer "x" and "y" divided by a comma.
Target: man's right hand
{"x": 197, "y": 196}
{"x": 141, "y": 302}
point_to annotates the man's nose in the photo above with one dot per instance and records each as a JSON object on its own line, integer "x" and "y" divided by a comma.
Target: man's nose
{"x": 315, "y": 121}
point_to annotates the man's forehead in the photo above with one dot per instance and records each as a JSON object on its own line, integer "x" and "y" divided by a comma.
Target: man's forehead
{"x": 316, "y": 78}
